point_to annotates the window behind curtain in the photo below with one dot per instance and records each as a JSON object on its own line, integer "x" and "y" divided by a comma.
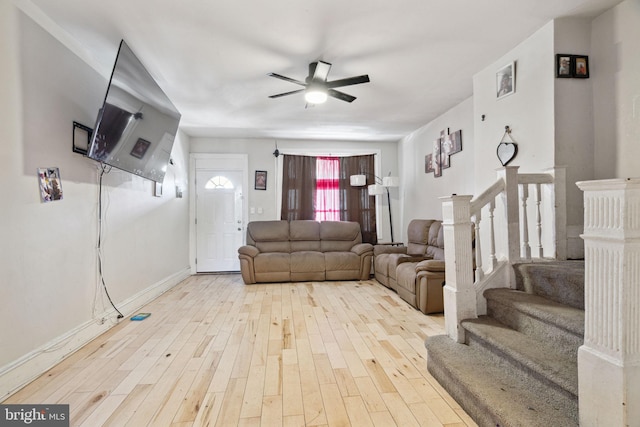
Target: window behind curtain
{"x": 320, "y": 189}
{"x": 327, "y": 189}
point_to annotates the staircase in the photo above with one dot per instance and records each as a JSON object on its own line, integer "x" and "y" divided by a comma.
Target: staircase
{"x": 518, "y": 364}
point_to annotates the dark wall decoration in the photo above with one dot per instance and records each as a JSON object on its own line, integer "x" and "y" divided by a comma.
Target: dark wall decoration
{"x": 572, "y": 66}
{"x": 443, "y": 147}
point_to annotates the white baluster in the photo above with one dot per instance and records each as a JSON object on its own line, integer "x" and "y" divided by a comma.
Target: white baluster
{"x": 492, "y": 255}
{"x": 539, "y": 220}
{"x": 526, "y": 249}
{"x": 476, "y": 232}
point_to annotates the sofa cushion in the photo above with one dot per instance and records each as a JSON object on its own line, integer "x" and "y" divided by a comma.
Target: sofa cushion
{"x": 341, "y": 265}
{"x": 435, "y": 249}
{"x": 307, "y": 266}
{"x": 272, "y": 267}
{"x": 336, "y": 236}
{"x": 406, "y": 276}
{"x": 418, "y": 236}
{"x": 307, "y": 261}
{"x": 304, "y": 236}
{"x": 269, "y": 236}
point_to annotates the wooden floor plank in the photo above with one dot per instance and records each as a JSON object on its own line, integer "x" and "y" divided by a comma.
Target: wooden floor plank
{"x": 218, "y": 352}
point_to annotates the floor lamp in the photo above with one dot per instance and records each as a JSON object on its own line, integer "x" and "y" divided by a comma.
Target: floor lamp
{"x": 381, "y": 185}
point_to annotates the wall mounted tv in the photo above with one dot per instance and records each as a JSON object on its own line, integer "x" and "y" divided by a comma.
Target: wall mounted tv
{"x": 137, "y": 123}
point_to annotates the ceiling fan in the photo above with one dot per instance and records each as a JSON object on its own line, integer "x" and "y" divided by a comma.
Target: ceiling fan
{"x": 316, "y": 86}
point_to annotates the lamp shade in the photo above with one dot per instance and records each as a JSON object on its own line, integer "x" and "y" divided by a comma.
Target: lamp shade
{"x": 358, "y": 180}
{"x": 375, "y": 189}
{"x": 390, "y": 181}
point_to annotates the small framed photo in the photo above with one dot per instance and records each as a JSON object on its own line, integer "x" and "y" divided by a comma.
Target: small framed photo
{"x": 261, "y": 180}
{"x": 50, "y": 184}
{"x": 428, "y": 163}
{"x": 437, "y": 158}
{"x": 506, "y": 80}
{"x": 157, "y": 189}
{"x": 81, "y": 138}
{"x": 564, "y": 66}
{"x": 580, "y": 66}
{"x": 140, "y": 148}
{"x": 456, "y": 141}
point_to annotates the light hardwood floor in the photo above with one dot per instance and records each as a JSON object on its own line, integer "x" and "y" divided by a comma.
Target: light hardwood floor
{"x": 216, "y": 352}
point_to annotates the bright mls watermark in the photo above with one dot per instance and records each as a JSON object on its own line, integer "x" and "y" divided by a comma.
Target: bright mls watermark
{"x": 34, "y": 415}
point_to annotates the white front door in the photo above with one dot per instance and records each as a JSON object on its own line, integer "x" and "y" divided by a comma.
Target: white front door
{"x": 219, "y": 224}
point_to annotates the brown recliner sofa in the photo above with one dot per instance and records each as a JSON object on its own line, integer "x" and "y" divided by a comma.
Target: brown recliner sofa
{"x": 415, "y": 272}
{"x": 300, "y": 251}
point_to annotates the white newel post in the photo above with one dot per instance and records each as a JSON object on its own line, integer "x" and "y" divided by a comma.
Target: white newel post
{"x": 609, "y": 360}
{"x": 459, "y": 292}
{"x": 510, "y": 176}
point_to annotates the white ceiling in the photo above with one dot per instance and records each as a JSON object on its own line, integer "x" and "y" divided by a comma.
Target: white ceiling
{"x": 212, "y": 57}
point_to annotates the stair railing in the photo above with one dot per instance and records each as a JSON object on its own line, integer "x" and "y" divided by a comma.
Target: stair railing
{"x": 507, "y": 236}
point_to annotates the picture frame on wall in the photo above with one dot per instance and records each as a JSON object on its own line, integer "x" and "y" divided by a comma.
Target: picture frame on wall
{"x": 564, "y": 65}
{"x": 261, "y": 180}
{"x": 428, "y": 163}
{"x": 580, "y": 66}
{"x": 506, "y": 80}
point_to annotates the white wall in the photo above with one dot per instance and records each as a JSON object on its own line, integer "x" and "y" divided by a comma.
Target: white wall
{"x": 420, "y": 190}
{"x": 48, "y": 250}
{"x": 574, "y": 140}
{"x": 261, "y": 157}
{"x": 615, "y": 67}
{"x": 528, "y": 112}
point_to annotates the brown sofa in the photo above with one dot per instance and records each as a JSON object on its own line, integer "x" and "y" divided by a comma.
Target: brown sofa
{"x": 300, "y": 251}
{"x": 415, "y": 272}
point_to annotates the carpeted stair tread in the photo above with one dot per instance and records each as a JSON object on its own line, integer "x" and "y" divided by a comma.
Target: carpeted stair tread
{"x": 561, "y": 281}
{"x": 488, "y": 393}
{"x": 563, "y": 316}
{"x": 550, "y": 364}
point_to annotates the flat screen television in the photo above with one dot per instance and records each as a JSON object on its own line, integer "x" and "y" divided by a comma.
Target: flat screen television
{"x": 137, "y": 123}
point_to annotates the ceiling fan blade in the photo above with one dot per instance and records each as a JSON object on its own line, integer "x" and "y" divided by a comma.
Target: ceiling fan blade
{"x": 319, "y": 70}
{"x": 348, "y": 81}
{"x": 286, "y": 93}
{"x": 341, "y": 95}
{"x": 288, "y": 79}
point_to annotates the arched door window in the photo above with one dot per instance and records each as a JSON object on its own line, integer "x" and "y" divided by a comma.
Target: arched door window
{"x": 219, "y": 183}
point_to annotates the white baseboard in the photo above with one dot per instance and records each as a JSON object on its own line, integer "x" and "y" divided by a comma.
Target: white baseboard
{"x": 20, "y": 372}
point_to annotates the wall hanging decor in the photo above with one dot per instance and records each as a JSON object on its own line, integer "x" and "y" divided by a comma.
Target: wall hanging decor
{"x": 50, "y": 184}
{"x": 261, "y": 180}
{"x": 581, "y": 66}
{"x": 506, "y": 80}
{"x": 507, "y": 148}
{"x": 572, "y": 66}
{"x": 443, "y": 147}
{"x": 563, "y": 66}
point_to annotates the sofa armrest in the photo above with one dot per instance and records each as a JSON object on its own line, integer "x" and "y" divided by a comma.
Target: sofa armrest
{"x": 362, "y": 248}
{"x": 248, "y": 250}
{"x": 388, "y": 249}
{"x": 433, "y": 265}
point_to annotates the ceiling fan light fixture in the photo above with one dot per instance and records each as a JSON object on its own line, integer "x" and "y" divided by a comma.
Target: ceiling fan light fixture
{"x": 315, "y": 95}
